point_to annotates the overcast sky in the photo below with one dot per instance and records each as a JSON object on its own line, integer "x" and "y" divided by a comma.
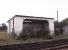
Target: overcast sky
{"x": 41, "y": 8}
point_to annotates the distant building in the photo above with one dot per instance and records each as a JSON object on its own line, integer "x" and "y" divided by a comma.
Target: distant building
{"x": 30, "y": 24}
{"x": 65, "y": 30}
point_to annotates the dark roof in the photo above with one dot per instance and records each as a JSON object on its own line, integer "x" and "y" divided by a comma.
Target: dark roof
{"x": 29, "y": 16}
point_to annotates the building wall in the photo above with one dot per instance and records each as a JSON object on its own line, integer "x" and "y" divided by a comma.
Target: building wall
{"x": 18, "y": 23}
{"x": 32, "y": 27}
{"x": 51, "y": 27}
{"x": 10, "y": 26}
{"x": 51, "y": 24}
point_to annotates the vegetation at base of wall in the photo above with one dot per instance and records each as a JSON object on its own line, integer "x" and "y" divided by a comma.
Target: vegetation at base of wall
{"x": 57, "y": 34}
{"x": 61, "y": 37}
{"x": 5, "y": 37}
{"x": 40, "y": 34}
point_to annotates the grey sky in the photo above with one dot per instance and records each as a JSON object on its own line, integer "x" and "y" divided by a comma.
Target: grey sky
{"x": 42, "y": 8}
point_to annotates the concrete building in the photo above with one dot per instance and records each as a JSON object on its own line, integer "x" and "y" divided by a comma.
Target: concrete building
{"x": 28, "y": 24}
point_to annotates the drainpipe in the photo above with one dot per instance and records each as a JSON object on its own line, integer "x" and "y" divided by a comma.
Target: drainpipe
{"x": 13, "y": 24}
{"x": 13, "y": 31}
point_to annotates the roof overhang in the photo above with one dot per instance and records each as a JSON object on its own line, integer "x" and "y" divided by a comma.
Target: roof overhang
{"x": 29, "y": 17}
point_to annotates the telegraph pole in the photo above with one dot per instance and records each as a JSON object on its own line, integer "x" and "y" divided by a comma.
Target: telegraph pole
{"x": 57, "y": 16}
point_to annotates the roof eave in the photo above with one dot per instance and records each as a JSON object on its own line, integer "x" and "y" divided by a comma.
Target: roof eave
{"x": 27, "y": 16}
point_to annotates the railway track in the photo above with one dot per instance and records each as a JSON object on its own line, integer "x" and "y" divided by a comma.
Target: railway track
{"x": 47, "y": 45}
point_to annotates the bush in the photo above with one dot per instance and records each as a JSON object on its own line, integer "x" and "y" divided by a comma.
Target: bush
{"x": 22, "y": 36}
{"x": 38, "y": 34}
